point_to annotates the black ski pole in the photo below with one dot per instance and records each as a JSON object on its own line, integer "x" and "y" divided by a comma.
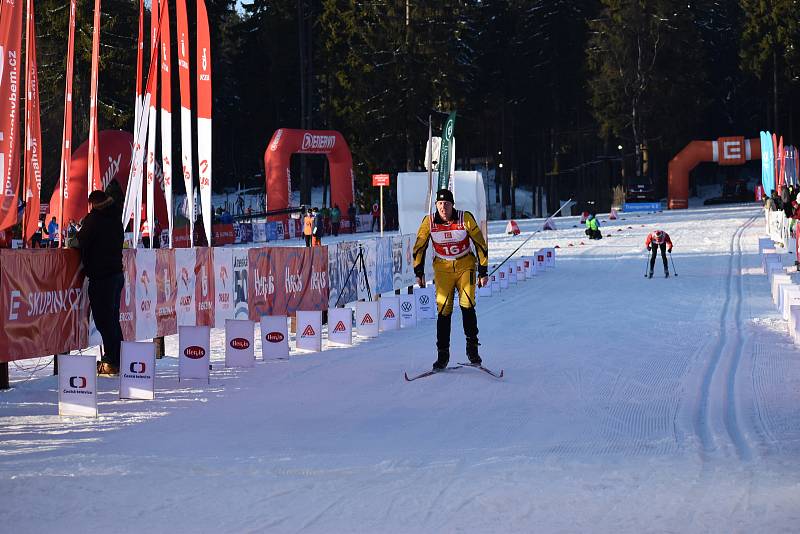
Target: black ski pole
{"x": 674, "y": 272}
{"x": 646, "y": 262}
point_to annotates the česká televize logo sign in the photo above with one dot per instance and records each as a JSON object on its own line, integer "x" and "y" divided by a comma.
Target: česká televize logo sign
{"x": 274, "y": 337}
{"x": 239, "y": 343}
{"x": 137, "y": 368}
{"x": 194, "y": 352}
{"x": 77, "y": 382}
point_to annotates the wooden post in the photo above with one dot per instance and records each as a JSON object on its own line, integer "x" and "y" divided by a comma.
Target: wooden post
{"x": 4, "y": 383}
{"x": 159, "y": 342}
{"x": 55, "y": 364}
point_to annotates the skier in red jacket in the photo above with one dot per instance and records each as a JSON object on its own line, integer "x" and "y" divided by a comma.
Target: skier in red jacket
{"x": 655, "y": 240}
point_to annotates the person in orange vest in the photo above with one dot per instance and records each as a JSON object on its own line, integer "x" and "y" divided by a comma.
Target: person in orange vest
{"x": 655, "y": 240}
{"x": 308, "y": 226}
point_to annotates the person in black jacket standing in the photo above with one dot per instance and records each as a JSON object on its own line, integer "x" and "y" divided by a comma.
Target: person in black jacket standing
{"x": 100, "y": 239}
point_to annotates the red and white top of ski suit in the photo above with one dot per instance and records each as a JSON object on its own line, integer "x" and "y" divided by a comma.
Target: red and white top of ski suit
{"x": 450, "y": 240}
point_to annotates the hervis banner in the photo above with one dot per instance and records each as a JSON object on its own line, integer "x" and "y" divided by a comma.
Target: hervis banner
{"x": 367, "y": 320}
{"x": 194, "y": 357}
{"x": 77, "y": 385}
{"x": 137, "y": 370}
{"x": 390, "y": 312}
{"x": 309, "y": 330}
{"x": 239, "y": 343}
{"x": 274, "y": 337}
{"x": 426, "y": 302}
{"x": 408, "y": 311}
{"x": 340, "y": 326}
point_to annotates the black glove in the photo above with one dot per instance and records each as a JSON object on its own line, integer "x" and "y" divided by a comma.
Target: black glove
{"x": 670, "y": 251}
{"x": 419, "y": 272}
{"x": 648, "y": 249}
{"x": 482, "y": 271}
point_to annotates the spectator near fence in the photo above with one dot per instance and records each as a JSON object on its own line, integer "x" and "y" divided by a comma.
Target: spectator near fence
{"x": 336, "y": 218}
{"x": 351, "y": 214}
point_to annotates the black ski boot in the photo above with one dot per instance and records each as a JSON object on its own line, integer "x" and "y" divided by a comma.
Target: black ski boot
{"x": 666, "y": 274}
{"x": 650, "y": 275}
{"x": 470, "y": 320}
{"x": 442, "y": 342}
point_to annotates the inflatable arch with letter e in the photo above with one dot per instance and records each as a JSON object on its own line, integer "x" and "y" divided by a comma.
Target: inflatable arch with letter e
{"x": 725, "y": 151}
{"x": 286, "y": 142}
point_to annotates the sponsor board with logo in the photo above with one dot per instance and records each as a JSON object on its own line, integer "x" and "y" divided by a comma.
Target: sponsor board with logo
{"x": 137, "y": 370}
{"x": 204, "y": 286}
{"x": 166, "y": 293}
{"x": 408, "y": 311}
{"x": 540, "y": 256}
{"x": 340, "y": 326}
{"x": 529, "y": 264}
{"x": 286, "y": 279}
{"x": 309, "y": 330}
{"x": 272, "y": 231}
{"x": 127, "y": 301}
{"x": 549, "y": 257}
{"x": 185, "y": 262}
{"x": 274, "y": 337}
{"x": 511, "y": 271}
{"x": 239, "y": 343}
{"x": 426, "y": 301}
{"x": 240, "y": 283}
{"x": 223, "y": 286}
{"x": 146, "y": 297}
{"x": 367, "y": 318}
{"x": 244, "y": 232}
{"x": 223, "y": 234}
{"x": 502, "y": 274}
{"x": 194, "y": 352}
{"x": 389, "y": 313}
{"x": 520, "y": 269}
{"x": 77, "y": 385}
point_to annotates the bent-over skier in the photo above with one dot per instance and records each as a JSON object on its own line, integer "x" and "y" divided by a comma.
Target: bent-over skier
{"x": 453, "y": 234}
{"x": 655, "y": 240}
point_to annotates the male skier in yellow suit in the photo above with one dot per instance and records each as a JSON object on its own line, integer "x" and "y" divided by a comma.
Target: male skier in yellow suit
{"x": 452, "y": 233}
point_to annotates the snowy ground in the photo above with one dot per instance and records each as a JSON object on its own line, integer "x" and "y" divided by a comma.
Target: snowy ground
{"x": 629, "y": 405}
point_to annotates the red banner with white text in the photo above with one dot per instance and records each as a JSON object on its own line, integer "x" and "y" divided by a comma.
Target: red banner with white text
{"x": 33, "y": 133}
{"x": 10, "y": 86}
{"x": 284, "y": 280}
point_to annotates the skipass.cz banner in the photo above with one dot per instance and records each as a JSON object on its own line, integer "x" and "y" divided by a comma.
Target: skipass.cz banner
{"x": 44, "y": 303}
{"x": 284, "y": 280}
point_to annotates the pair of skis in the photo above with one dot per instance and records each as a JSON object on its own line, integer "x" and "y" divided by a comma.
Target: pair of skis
{"x": 453, "y": 367}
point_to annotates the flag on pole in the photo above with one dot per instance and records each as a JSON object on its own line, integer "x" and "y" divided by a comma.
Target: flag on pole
{"x": 66, "y": 137}
{"x": 186, "y": 110}
{"x": 204, "y": 114}
{"x": 11, "y": 59}
{"x": 33, "y": 133}
{"x": 152, "y": 118}
{"x": 444, "y": 151}
{"x": 166, "y": 119}
{"x": 93, "y": 163}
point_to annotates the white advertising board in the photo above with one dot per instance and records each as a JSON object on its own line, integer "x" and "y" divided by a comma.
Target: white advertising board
{"x": 137, "y": 370}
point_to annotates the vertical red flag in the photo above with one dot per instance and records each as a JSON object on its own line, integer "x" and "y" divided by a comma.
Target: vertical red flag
{"x": 93, "y": 167}
{"x": 186, "y": 112}
{"x": 10, "y": 62}
{"x": 66, "y": 140}
{"x": 139, "y": 59}
{"x": 33, "y": 132}
{"x": 204, "y": 114}
{"x": 166, "y": 116}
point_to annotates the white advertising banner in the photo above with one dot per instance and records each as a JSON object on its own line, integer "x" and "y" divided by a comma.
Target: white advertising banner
{"x": 145, "y": 293}
{"x": 340, "y": 326}
{"x": 390, "y": 312}
{"x": 367, "y": 320}
{"x": 530, "y": 266}
{"x": 274, "y": 337}
{"x": 185, "y": 262}
{"x": 520, "y": 267}
{"x": 426, "y": 302}
{"x": 223, "y": 286}
{"x": 502, "y": 275}
{"x": 550, "y": 258}
{"x": 408, "y": 311}
{"x": 540, "y": 260}
{"x": 239, "y": 343}
{"x": 194, "y": 344}
{"x": 309, "y": 330}
{"x": 494, "y": 280}
{"x": 511, "y": 272}
{"x": 240, "y": 261}
{"x": 77, "y": 385}
{"x": 137, "y": 370}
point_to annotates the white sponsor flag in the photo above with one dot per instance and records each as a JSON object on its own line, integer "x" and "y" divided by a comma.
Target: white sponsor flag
{"x": 194, "y": 343}
{"x": 146, "y": 326}
{"x": 239, "y": 345}
{"x": 408, "y": 311}
{"x": 426, "y": 302}
{"x": 367, "y": 319}
{"x": 185, "y": 309}
{"x": 77, "y": 385}
{"x": 223, "y": 286}
{"x": 389, "y": 311}
{"x": 309, "y": 330}
{"x": 274, "y": 337}
{"x": 340, "y": 326}
{"x": 137, "y": 370}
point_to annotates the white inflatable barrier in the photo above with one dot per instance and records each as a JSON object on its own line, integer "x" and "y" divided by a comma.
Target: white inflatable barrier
{"x": 194, "y": 357}
{"x": 426, "y": 301}
{"x": 367, "y": 320}
{"x": 239, "y": 343}
{"x": 390, "y": 313}
{"x": 309, "y": 330}
{"x": 77, "y": 385}
{"x": 340, "y": 326}
{"x": 137, "y": 370}
{"x": 274, "y": 337}
{"x": 408, "y": 311}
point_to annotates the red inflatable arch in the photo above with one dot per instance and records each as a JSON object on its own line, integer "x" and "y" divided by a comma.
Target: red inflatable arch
{"x": 115, "y": 164}
{"x": 725, "y": 151}
{"x": 286, "y": 142}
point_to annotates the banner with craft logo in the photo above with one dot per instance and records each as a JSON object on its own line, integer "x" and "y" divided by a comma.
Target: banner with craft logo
{"x": 185, "y": 262}
{"x": 166, "y": 292}
{"x": 223, "y": 286}
{"x": 204, "y": 286}
{"x": 43, "y": 305}
{"x": 145, "y": 293}
{"x": 127, "y": 301}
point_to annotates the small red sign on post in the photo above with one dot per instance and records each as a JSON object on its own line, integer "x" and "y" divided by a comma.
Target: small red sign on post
{"x": 380, "y": 179}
